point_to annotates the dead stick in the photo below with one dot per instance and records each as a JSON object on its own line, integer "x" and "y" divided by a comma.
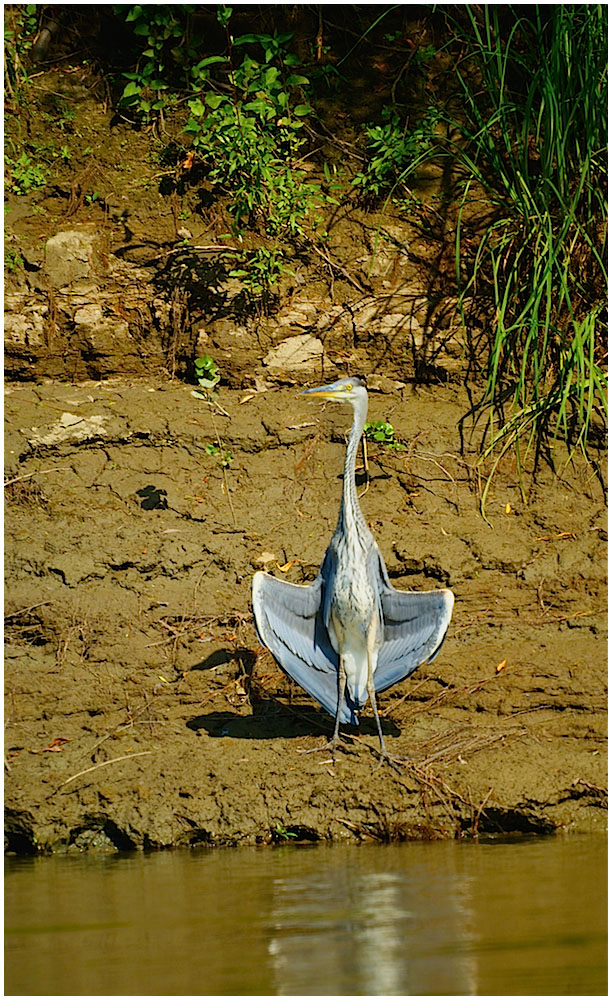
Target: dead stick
{"x": 103, "y": 763}
{"x": 41, "y": 472}
{"x": 480, "y": 811}
{"x": 22, "y": 611}
{"x": 224, "y": 470}
{"x": 338, "y": 266}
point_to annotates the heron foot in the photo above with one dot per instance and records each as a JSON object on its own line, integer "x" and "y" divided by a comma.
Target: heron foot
{"x": 393, "y": 760}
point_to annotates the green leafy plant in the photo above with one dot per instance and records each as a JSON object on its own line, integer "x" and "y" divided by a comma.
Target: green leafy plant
{"x": 20, "y": 24}
{"x": 282, "y": 833}
{"x": 62, "y": 116}
{"x": 260, "y": 270}
{"x": 383, "y": 433}
{"x": 206, "y": 372}
{"x": 249, "y": 139}
{"x": 247, "y": 111}
{"x": 220, "y": 452}
{"x": 13, "y": 261}
{"x": 163, "y": 27}
{"x": 24, "y": 174}
{"x": 394, "y": 151}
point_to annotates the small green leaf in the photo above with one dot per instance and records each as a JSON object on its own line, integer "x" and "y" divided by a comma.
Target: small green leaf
{"x": 214, "y": 100}
{"x": 209, "y": 61}
{"x": 130, "y": 89}
{"x": 196, "y": 107}
{"x": 247, "y": 39}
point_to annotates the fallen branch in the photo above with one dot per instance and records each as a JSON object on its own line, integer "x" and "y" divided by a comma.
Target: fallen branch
{"x": 104, "y": 763}
{"x": 22, "y": 611}
{"x": 41, "y": 472}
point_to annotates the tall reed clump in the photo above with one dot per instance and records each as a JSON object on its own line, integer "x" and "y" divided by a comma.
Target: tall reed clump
{"x": 532, "y": 134}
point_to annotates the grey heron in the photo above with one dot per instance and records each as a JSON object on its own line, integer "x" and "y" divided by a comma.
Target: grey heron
{"x": 349, "y": 634}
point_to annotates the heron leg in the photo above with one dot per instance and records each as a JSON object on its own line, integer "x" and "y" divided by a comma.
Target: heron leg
{"x": 341, "y": 690}
{"x": 372, "y": 694}
{"x": 384, "y": 753}
{"x": 333, "y": 743}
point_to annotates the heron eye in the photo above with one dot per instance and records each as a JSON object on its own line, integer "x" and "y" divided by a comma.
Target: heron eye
{"x": 347, "y": 388}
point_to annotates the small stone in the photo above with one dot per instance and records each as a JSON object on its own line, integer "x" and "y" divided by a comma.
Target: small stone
{"x": 300, "y": 353}
{"x": 384, "y": 384}
{"x": 89, "y": 315}
{"x": 71, "y": 256}
{"x": 265, "y": 559}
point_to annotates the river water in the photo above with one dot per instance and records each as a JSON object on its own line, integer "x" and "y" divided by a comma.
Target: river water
{"x": 525, "y": 916}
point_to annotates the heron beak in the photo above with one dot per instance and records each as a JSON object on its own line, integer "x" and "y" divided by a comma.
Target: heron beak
{"x": 322, "y": 392}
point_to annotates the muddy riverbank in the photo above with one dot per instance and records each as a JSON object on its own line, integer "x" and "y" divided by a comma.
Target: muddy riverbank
{"x": 141, "y": 710}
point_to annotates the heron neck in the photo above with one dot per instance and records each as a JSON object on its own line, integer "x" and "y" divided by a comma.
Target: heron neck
{"x": 350, "y": 517}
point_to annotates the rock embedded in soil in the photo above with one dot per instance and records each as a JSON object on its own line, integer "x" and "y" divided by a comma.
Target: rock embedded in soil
{"x": 72, "y": 256}
{"x": 300, "y": 355}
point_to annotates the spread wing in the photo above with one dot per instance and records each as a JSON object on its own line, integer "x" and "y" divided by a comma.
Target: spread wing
{"x": 415, "y": 624}
{"x": 290, "y": 622}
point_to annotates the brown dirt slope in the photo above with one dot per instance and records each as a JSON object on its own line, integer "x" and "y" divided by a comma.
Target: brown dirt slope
{"x": 140, "y": 708}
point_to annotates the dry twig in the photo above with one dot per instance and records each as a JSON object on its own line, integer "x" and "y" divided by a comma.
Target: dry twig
{"x": 105, "y": 763}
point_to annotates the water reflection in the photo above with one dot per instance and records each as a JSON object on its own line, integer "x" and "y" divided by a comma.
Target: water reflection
{"x": 386, "y": 932}
{"x": 525, "y": 918}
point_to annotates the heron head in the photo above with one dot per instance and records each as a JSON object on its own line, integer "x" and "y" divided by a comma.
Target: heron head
{"x": 345, "y": 390}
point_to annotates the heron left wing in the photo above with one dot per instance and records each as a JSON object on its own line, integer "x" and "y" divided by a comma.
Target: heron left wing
{"x": 415, "y": 624}
{"x": 289, "y": 621}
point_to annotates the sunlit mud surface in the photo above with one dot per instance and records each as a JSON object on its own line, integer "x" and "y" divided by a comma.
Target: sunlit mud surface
{"x": 141, "y": 709}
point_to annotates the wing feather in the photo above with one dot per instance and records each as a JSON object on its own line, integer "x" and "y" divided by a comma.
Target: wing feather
{"x": 290, "y": 621}
{"x": 415, "y": 625}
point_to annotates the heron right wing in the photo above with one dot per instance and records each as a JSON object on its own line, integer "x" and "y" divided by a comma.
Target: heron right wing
{"x": 290, "y": 621}
{"x": 415, "y": 625}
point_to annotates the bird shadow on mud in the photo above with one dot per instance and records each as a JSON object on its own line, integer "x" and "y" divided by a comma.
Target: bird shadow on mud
{"x": 271, "y": 718}
{"x": 276, "y": 720}
{"x": 263, "y": 726}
